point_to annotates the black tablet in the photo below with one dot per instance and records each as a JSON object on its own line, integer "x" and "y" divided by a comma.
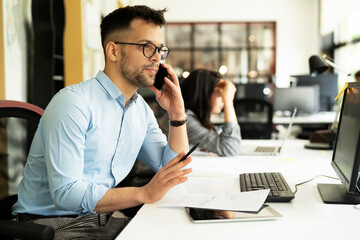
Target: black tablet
{"x": 200, "y": 215}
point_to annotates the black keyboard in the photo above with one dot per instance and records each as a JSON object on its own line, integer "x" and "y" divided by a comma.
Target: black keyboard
{"x": 279, "y": 189}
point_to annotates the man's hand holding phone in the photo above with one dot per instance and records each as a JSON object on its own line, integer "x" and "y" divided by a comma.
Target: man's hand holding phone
{"x": 169, "y": 97}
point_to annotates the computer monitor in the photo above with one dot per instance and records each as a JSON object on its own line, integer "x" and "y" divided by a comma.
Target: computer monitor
{"x": 346, "y": 154}
{"x": 328, "y": 84}
{"x": 306, "y": 99}
{"x": 253, "y": 90}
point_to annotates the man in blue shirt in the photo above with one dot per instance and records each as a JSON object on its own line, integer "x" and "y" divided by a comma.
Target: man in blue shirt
{"x": 91, "y": 134}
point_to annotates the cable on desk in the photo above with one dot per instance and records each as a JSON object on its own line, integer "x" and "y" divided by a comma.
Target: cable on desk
{"x": 296, "y": 185}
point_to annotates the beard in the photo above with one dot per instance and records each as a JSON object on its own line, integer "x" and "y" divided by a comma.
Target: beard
{"x": 135, "y": 76}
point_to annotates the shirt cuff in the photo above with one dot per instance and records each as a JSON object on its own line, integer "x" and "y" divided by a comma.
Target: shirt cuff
{"x": 229, "y": 127}
{"x": 168, "y": 155}
{"x": 94, "y": 193}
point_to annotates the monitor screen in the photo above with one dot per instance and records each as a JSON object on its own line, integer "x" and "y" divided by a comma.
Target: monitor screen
{"x": 346, "y": 157}
{"x": 328, "y": 85}
{"x": 253, "y": 90}
{"x": 306, "y": 99}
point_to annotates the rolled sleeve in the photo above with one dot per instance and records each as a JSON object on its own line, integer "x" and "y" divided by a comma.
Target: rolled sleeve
{"x": 231, "y": 129}
{"x": 93, "y": 194}
{"x": 80, "y": 197}
{"x": 225, "y": 141}
{"x": 65, "y": 199}
{"x": 168, "y": 154}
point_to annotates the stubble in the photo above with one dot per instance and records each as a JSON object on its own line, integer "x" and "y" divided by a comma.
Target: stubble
{"x": 135, "y": 75}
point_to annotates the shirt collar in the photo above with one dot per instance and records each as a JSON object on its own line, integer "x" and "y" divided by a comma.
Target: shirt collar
{"x": 111, "y": 88}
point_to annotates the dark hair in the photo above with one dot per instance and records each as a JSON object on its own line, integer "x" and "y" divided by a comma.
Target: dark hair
{"x": 196, "y": 90}
{"x": 121, "y": 18}
{"x": 357, "y": 76}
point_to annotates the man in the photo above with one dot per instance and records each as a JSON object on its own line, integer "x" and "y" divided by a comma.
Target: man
{"x": 92, "y": 132}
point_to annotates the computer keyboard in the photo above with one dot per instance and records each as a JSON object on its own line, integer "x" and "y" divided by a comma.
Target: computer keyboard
{"x": 265, "y": 149}
{"x": 279, "y": 189}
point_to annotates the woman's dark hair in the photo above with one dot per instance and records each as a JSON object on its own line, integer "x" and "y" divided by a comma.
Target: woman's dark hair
{"x": 196, "y": 90}
{"x": 357, "y": 76}
{"x": 121, "y": 18}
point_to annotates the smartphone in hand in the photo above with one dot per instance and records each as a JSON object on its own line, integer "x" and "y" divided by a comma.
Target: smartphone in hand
{"x": 159, "y": 77}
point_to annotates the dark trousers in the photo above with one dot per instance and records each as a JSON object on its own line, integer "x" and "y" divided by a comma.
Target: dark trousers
{"x": 93, "y": 226}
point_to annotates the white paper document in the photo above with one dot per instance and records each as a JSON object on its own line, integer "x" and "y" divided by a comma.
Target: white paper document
{"x": 242, "y": 201}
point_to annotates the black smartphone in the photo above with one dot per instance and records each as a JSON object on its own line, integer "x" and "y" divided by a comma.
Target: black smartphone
{"x": 159, "y": 77}
{"x": 188, "y": 154}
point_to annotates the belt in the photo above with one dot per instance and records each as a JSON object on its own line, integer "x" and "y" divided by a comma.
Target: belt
{"x": 23, "y": 217}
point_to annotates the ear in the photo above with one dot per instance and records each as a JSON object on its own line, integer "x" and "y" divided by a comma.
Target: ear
{"x": 112, "y": 52}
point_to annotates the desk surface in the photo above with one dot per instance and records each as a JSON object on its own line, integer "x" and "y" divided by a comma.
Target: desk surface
{"x": 316, "y": 118}
{"x": 305, "y": 217}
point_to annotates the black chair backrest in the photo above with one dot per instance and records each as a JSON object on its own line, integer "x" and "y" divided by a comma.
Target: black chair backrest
{"x": 23, "y": 110}
{"x": 10, "y": 229}
{"x": 28, "y": 111}
{"x": 32, "y": 114}
{"x": 255, "y": 117}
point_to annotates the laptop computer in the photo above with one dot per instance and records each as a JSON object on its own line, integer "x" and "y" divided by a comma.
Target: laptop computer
{"x": 268, "y": 150}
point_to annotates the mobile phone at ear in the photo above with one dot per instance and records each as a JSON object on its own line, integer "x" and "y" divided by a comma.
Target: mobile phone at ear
{"x": 159, "y": 77}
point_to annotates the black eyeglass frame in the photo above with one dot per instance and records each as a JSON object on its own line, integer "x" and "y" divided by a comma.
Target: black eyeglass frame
{"x": 158, "y": 49}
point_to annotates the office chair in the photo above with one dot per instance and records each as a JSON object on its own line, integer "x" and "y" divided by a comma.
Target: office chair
{"x": 255, "y": 117}
{"x": 9, "y": 228}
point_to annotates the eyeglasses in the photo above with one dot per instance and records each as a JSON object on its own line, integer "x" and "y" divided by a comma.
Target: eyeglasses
{"x": 149, "y": 49}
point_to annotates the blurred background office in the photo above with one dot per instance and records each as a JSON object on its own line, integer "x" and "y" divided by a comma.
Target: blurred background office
{"x": 257, "y": 41}
{"x": 263, "y": 46}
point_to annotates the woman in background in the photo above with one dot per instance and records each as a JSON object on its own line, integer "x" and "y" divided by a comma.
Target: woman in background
{"x": 205, "y": 92}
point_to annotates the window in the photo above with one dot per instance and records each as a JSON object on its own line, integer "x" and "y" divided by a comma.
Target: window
{"x": 347, "y": 48}
{"x": 245, "y": 51}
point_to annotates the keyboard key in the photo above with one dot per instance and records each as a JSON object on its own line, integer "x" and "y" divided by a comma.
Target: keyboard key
{"x": 265, "y": 149}
{"x": 279, "y": 189}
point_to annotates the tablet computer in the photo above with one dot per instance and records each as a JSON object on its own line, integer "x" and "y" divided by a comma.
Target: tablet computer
{"x": 201, "y": 215}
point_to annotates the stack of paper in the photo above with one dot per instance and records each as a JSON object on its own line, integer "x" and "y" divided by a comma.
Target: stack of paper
{"x": 242, "y": 201}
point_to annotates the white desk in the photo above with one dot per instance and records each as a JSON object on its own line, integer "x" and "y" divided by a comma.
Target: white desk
{"x": 305, "y": 217}
{"x": 316, "y": 118}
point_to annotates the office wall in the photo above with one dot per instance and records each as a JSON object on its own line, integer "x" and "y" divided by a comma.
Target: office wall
{"x": 335, "y": 11}
{"x": 84, "y": 55}
{"x": 16, "y": 25}
{"x": 297, "y": 25}
{"x": 342, "y": 18}
{"x": 297, "y": 30}
{"x": 93, "y": 11}
{"x": 16, "y": 17}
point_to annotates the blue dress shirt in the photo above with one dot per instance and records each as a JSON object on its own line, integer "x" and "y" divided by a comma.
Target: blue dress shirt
{"x": 86, "y": 143}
